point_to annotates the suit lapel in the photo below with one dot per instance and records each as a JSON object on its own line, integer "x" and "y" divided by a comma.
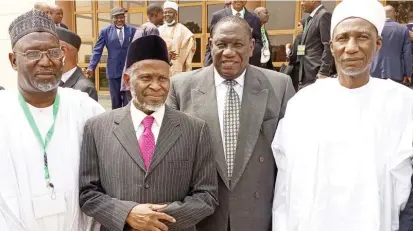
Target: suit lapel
{"x": 247, "y": 15}
{"x": 126, "y": 37}
{"x": 205, "y": 107}
{"x": 125, "y": 133}
{"x": 254, "y": 102}
{"x": 228, "y": 11}
{"x": 304, "y": 37}
{"x": 73, "y": 78}
{"x": 169, "y": 133}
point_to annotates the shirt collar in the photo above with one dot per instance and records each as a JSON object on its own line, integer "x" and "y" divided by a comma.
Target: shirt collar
{"x": 315, "y": 10}
{"x": 66, "y": 76}
{"x": 234, "y": 12}
{"x": 138, "y": 116}
{"x": 219, "y": 80}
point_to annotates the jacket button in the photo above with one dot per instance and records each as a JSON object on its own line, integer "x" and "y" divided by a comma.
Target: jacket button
{"x": 261, "y": 159}
{"x": 147, "y": 186}
{"x": 257, "y": 195}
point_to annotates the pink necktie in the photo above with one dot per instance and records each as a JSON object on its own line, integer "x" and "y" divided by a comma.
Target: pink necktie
{"x": 147, "y": 141}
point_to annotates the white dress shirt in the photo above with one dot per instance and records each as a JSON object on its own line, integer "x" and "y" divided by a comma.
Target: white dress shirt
{"x": 315, "y": 11}
{"x": 68, "y": 74}
{"x": 234, "y": 12}
{"x": 123, "y": 32}
{"x": 221, "y": 92}
{"x": 138, "y": 116}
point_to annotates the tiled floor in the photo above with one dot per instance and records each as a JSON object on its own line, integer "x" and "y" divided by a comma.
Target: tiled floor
{"x": 104, "y": 100}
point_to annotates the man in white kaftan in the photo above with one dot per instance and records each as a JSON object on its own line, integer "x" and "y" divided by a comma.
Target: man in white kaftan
{"x": 344, "y": 147}
{"x": 30, "y": 200}
{"x": 179, "y": 40}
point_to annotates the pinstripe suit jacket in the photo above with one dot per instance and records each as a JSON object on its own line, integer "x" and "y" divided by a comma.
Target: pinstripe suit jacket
{"x": 246, "y": 202}
{"x": 113, "y": 178}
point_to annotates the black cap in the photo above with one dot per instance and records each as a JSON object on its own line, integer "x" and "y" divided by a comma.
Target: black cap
{"x": 117, "y": 11}
{"x": 147, "y": 47}
{"x": 69, "y": 37}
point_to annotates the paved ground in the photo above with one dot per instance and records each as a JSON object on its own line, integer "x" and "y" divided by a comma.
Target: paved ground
{"x": 104, "y": 100}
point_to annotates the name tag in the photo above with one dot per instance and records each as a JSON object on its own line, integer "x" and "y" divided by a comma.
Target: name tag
{"x": 44, "y": 206}
{"x": 301, "y": 50}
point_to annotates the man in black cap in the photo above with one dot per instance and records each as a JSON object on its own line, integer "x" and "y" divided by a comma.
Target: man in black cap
{"x": 135, "y": 173}
{"x": 41, "y": 133}
{"x": 73, "y": 76}
{"x": 117, "y": 38}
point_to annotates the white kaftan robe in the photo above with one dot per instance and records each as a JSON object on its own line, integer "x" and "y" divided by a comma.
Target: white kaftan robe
{"x": 22, "y": 181}
{"x": 344, "y": 157}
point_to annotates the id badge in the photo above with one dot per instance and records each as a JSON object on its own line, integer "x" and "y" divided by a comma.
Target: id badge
{"x": 44, "y": 205}
{"x": 301, "y": 50}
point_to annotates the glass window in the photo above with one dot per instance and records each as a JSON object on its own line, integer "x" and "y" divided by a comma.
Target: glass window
{"x": 282, "y": 15}
{"x": 212, "y": 9}
{"x": 85, "y": 52}
{"x": 135, "y": 19}
{"x": 84, "y": 25}
{"x": 103, "y": 81}
{"x": 189, "y": 1}
{"x": 197, "y": 55}
{"x": 161, "y": 2}
{"x": 130, "y": 4}
{"x": 107, "y": 5}
{"x": 402, "y": 9}
{"x": 191, "y": 17}
{"x": 83, "y": 5}
{"x": 104, "y": 20}
{"x": 278, "y": 43}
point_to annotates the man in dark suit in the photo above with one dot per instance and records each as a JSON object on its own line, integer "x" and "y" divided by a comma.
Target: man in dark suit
{"x": 166, "y": 178}
{"x": 406, "y": 216}
{"x": 116, "y": 38}
{"x": 294, "y": 61}
{"x": 73, "y": 76}
{"x": 266, "y": 54}
{"x": 56, "y": 14}
{"x": 314, "y": 52}
{"x": 394, "y": 60}
{"x": 242, "y": 105}
{"x": 238, "y": 9}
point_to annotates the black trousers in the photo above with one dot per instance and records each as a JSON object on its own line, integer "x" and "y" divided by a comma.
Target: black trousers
{"x": 116, "y": 96}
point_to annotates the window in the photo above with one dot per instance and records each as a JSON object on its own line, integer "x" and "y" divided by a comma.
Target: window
{"x": 85, "y": 52}
{"x": 103, "y": 81}
{"x": 191, "y": 17}
{"x": 211, "y": 10}
{"x": 133, "y": 4}
{"x": 106, "y": 5}
{"x": 197, "y": 55}
{"x": 282, "y": 15}
{"x": 278, "y": 43}
{"x": 104, "y": 20}
{"x": 83, "y": 5}
{"x": 135, "y": 19}
{"x": 402, "y": 9}
{"x": 84, "y": 25}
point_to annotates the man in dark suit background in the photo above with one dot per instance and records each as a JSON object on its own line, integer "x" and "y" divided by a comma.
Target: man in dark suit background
{"x": 242, "y": 105}
{"x": 394, "y": 60}
{"x": 165, "y": 179}
{"x": 266, "y": 51}
{"x": 406, "y": 216}
{"x": 294, "y": 61}
{"x": 238, "y": 9}
{"x": 56, "y": 14}
{"x": 314, "y": 52}
{"x": 73, "y": 76}
{"x": 116, "y": 38}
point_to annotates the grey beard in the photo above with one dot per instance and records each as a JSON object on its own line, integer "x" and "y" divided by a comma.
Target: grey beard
{"x": 144, "y": 106}
{"x": 171, "y": 23}
{"x": 45, "y": 87}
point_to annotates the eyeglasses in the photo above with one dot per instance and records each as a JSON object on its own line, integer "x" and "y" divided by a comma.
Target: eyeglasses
{"x": 33, "y": 55}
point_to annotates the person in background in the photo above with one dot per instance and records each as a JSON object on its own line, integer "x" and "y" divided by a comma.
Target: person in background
{"x": 56, "y": 14}
{"x": 294, "y": 61}
{"x": 147, "y": 166}
{"x": 43, "y": 7}
{"x": 179, "y": 39}
{"x": 154, "y": 12}
{"x": 242, "y": 105}
{"x": 116, "y": 38}
{"x": 238, "y": 9}
{"x": 73, "y": 76}
{"x": 266, "y": 54}
{"x": 41, "y": 133}
{"x": 313, "y": 51}
{"x": 352, "y": 169}
{"x": 394, "y": 60}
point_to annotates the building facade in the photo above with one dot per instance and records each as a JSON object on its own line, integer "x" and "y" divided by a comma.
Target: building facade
{"x": 87, "y": 18}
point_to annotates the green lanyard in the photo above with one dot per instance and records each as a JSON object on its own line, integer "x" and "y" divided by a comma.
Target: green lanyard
{"x": 36, "y": 132}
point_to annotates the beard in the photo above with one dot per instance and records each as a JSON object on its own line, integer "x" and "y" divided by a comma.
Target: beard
{"x": 144, "y": 106}
{"x": 45, "y": 86}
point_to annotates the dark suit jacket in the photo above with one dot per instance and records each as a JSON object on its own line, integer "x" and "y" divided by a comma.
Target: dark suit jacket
{"x": 246, "y": 202}
{"x": 254, "y": 23}
{"x": 79, "y": 81}
{"x": 295, "y": 62}
{"x": 116, "y": 52}
{"x": 64, "y": 25}
{"x": 406, "y": 216}
{"x": 113, "y": 177}
{"x": 394, "y": 60}
{"x": 316, "y": 38}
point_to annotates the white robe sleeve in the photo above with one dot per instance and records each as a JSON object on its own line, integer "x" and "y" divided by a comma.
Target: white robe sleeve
{"x": 279, "y": 210}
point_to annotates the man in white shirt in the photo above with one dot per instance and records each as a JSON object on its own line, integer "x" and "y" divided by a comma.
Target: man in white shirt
{"x": 147, "y": 166}
{"x": 40, "y": 134}
{"x": 350, "y": 168}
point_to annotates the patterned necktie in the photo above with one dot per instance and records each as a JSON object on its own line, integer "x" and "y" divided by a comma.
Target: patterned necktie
{"x": 231, "y": 124}
{"x": 121, "y": 36}
{"x": 147, "y": 141}
{"x": 238, "y": 14}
